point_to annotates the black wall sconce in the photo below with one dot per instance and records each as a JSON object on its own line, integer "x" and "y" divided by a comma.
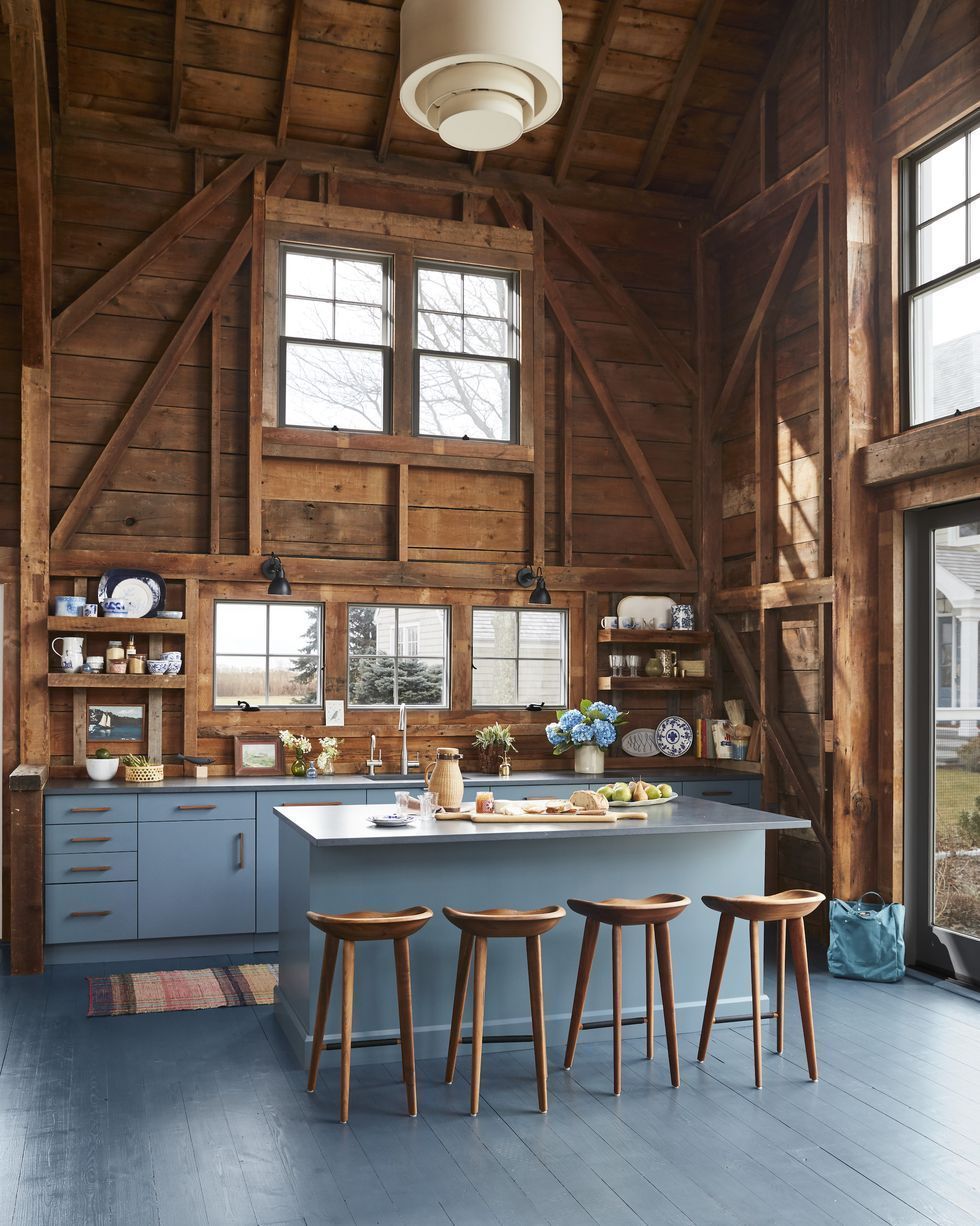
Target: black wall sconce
{"x": 273, "y": 571}
{"x": 527, "y": 576}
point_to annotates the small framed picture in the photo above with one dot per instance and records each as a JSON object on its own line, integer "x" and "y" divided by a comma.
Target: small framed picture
{"x": 257, "y": 754}
{"x": 116, "y": 723}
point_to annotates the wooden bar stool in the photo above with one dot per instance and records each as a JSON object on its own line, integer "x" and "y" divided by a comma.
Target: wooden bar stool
{"x": 787, "y": 908}
{"x": 475, "y": 929}
{"x": 357, "y": 926}
{"x": 654, "y": 913}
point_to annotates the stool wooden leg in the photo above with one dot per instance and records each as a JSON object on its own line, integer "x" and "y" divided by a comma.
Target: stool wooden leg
{"x": 589, "y": 938}
{"x": 403, "y": 976}
{"x": 479, "y": 999}
{"x": 797, "y": 941}
{"x": 322, "y": 1005}
{"x": 781, "y": 986}
{"x": 662, "y": 935}
{"x": 459, "y": 1001}
{"x": 756, "y": 1000}
{"x": 650, "y": 990}
{"x": 536, "y": 987}
{"x": 725, "y": 925}
{"x": 347, "y": 1018}
{"x": 617, "y": 994}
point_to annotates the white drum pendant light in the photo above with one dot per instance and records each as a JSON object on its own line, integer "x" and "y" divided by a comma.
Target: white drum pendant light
{"x": 481, "y": 73}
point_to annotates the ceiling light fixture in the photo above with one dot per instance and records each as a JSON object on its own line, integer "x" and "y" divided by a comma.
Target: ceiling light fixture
{"x": 481, "y": 73}
{"x": 527, "y": 576}
{"x": 273, "y": 571}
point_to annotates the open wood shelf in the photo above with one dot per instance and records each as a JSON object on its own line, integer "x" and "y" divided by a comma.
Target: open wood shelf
{"x": 673, "y": 638}
{"x": 119, "y": 625}
{"x": 665, "y": 684}
{"x": 112, "y": 681}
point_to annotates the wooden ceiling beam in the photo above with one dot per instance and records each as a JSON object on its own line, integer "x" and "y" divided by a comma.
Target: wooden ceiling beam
{"x": 289, "y": 70}
{"x": 911, "y": 40}
{"x": 120, "y": 275}
{"x": 793, "y": 28}
{"x": 391, "y": 108}
{"x": 671, "y": 109}
{"x": 777, "y": 195}
{"x": 477, "y": 164}
{"x": 177, "y": 68}
{"x": 583, "y": 97}
{"x": 778, "y": 284}
{"x": 654, "y": 340}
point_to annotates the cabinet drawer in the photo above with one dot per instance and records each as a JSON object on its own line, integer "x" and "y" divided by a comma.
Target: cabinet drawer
{"x": 102, "y": 911}
{"x": 195, "y": 806}
{"x": 726, "y": 792}
{"x": 92, "y": 836}
{"x": 267, "y": 801}
{"x": 89, "y": 867}
{"x": 92, "y": 808}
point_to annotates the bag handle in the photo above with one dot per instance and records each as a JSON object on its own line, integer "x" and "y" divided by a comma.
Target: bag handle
{"x": 870, "y": 894}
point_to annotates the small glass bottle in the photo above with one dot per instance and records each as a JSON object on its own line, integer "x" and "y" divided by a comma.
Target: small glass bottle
{"x": 131, "y": 647}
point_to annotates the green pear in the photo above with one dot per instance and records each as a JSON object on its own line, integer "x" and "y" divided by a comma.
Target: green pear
{"x": 653, "y": 792}
{"x": 621, "y": 791}
{"x": 666, "y": 789}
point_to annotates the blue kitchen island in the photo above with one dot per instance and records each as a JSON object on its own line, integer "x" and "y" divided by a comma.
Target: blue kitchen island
{"x": 331, "y": 859}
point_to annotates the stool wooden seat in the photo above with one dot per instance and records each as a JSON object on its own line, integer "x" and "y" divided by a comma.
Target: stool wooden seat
{"x": 788, "y": 910}
{"x": 476, "y": 928}
{"x": 654, "y": 913}
{"x": 356, "y": 926}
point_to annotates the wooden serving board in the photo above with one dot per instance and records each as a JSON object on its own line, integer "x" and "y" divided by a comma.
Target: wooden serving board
{"x": 535, "y": 818}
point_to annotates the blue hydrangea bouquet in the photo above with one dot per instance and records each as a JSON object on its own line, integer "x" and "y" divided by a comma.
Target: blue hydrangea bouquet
{"x": 591, "y": 723}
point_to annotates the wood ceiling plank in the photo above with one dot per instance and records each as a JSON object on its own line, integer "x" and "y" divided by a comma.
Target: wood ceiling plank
{"x": 289, "y": 70}
{"x": 177, "y": 69}
{"x": 911, "y": 40}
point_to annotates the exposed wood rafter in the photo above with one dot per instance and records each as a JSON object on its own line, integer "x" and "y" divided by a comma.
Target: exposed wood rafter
{"x": 256, "y": 351}
{"x": 177, "y": 68}
{"x": 289, "y": 70}
{"x": 478, "y": 162}
{"x": 657, "y": 344}
{"x": 774, "y": 292}
{"x": 673, "y": 103}
{"x": 391, "y": 109}
{"x": 583, "y": 97}
{"x": 911, "y": 40}
{"x": 766, "y": 203}
{"x": 61, "y": 53}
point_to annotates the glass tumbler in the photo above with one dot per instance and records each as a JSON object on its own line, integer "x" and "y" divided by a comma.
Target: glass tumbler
{"x": 427, "y": 805}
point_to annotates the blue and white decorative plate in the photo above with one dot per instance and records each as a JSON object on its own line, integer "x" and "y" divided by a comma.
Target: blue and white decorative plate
{"x": 674, "y": 736}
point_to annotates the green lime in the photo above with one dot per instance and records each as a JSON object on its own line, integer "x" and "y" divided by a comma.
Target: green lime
{"x": 103, "y": 753}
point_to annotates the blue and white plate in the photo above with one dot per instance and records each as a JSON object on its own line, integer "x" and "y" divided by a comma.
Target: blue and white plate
{"x": 138, "y": 592}
{"x": 392, "y": 819}
{"x": 674, "y": 736}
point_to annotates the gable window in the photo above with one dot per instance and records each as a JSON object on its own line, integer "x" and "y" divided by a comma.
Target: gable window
{"x": 397, "y": 654}
{"x": 334, "y": 340}
{"x": 467, "y": 345}
{"x": 519, "y": 657}
{"x": 942, "y": 291}
{"x": 269, "y": 654}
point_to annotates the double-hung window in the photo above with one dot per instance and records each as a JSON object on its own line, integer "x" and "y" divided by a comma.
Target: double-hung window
{"x": 335, "y": 340}
{"x": 519, "y": 657}
{"x": 268, "y": 653}
{"x": 942, "y": 276}
{"x": 397, "y": 654}
{"x": 467, "y": 352}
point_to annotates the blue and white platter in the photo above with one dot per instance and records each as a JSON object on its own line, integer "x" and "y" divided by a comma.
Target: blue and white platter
{"x": 124, "y": 592}
{"x": 674, "y": 736}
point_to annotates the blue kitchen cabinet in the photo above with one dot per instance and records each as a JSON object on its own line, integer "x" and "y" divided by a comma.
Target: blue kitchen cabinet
{"x": 197, "y": 878}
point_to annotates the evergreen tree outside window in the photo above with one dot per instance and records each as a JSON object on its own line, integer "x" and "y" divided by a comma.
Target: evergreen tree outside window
{"x": 268, "y": 653}
{"x": 397, "y": 654}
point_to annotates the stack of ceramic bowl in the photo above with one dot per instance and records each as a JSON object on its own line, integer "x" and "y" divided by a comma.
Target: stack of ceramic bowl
{"x": 174, "y": 660}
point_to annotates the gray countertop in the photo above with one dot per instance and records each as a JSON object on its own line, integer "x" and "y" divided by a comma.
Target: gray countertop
{"x": 348, "y": 825}
{"x": 268, "y": 783}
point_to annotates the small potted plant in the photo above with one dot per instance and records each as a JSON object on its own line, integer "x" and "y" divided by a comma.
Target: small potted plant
{"x": 494, "y": 744}
{"x": 301, "y": 746}
{"x": 329, "y": 751}
{"x": 140, "y": 769}
{"x": 102, "y": 766}
{"x": 590, "y": 729}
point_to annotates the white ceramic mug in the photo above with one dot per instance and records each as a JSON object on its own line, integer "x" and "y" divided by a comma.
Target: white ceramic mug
{"x": 72, "y": 654}
{"x": 609, "y": 623}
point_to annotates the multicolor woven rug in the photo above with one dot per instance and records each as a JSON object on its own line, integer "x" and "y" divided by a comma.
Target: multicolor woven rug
{"x": 174, "y": 991}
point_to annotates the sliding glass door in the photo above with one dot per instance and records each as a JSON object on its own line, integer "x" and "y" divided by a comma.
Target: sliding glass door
{"x": 942, "y": 747}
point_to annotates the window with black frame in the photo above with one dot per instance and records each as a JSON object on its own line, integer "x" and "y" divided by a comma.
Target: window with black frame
{"x": 397, "y": 654}
{"x": 467, "y": 347}
{"x": 268, "y": 653}
{"x": 335, "y": 340}
{"x": 942, "y": 276}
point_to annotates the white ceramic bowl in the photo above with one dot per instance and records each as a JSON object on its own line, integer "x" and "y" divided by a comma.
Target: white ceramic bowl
{"x": 101, "y": 769}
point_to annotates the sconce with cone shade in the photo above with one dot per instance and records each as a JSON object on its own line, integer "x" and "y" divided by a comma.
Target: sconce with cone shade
{"x": 527, "y": 576}
{"x": 272, "y": 568}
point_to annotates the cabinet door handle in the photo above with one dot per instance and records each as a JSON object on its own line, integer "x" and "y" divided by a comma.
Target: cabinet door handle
{"x": 102, "y": 838}
{"x": 98, "y": 809}
{"x": 241, "y": 849}
{"x": 719, "y": 792}
{"x": 188, "y": 808}
{"x": 90, "y": 868}
{"x": 85, "y": 914}
{"x": 309, "y": 804}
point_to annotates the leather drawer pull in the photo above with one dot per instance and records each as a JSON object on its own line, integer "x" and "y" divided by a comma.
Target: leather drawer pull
{"x": 720, "y": 792}
{"x": 90, "y": 868}
{"x": 310, "y": 804}
{"x": 100, "y": 809}
{"x": 86, "y": 914}
{"x": 188, "y": 808}
{"x": 102, "y": 838}
{"x": 241, "y": 850}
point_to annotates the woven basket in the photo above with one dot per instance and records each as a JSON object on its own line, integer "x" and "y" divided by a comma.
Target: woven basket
{"x": 145, "y": 774}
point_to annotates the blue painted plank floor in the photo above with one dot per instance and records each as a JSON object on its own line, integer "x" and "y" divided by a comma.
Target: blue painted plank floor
{"x": 202, "y": 1118}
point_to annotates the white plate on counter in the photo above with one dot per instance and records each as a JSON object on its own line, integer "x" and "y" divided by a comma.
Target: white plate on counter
{"x": 391, "y": 819}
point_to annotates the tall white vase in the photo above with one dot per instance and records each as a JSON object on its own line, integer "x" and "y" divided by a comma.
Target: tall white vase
{"x": 589, "y": 760}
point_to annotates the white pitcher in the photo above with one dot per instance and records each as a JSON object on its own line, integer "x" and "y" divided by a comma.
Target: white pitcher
{"x": 72, "y": 653}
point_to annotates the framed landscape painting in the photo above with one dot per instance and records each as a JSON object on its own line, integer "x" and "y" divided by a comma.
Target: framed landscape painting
{"x": 258, "y": 754}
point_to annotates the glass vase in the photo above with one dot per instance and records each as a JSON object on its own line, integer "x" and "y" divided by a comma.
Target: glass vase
{"x": 324, "y": 765}
{"x": 298, "y": 768}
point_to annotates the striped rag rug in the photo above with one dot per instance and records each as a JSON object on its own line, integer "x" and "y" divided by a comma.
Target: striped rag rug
{"x": 174, "y": 991}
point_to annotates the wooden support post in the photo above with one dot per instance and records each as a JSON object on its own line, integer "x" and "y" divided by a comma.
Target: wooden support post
{"x": 289, "y": 70}
{"x": 214, "y": 537}
{"x": 708, "y": 475}
{"x": 566, "y": 502}
{"x": 192, "y": 662}
{"x": 401, "y": 521}
{"x": 853, "y": 410}
{"x": 765, "y": 457}
{"x": 177, "y": 67}
{"x": 391, "y": 109}
{"x": 79, "y": 700}
{"x": 768, "y": 153}
{"x": 539, "y": 475}
{"x": 256, "y": 337}
{"x": 27, "y": 869}
{"x": 154, "y": 707}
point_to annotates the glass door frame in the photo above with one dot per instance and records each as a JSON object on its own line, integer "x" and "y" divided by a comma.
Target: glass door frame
{"x": 940, "y": 950}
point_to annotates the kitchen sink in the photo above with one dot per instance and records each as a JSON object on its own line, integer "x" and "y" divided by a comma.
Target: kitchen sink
{"x": 396, "y": 777}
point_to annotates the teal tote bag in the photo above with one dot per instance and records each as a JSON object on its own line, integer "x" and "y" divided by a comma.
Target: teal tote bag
{"x": 867, "y": 939}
